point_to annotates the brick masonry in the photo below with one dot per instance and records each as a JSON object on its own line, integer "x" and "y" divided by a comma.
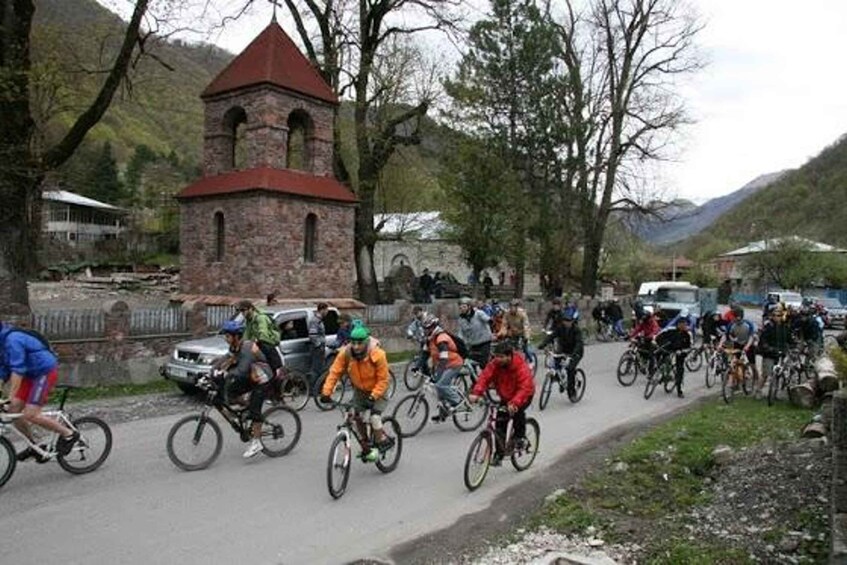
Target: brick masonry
{"x": 264, "y": 247}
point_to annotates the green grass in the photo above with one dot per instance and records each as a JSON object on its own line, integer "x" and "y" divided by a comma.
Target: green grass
{"x": 114, "y": 391}
{"x": 666, "y": 471}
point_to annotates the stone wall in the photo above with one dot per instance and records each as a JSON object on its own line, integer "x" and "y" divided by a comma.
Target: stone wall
{"x": 263, "y": 249}
{"x": 267, "y": 109}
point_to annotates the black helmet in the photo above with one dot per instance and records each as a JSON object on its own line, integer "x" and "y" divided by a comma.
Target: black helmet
{"x": 738, "y": 312}
{"x": 503, "y": 347}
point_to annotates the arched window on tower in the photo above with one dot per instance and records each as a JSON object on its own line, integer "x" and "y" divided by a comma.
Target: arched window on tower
{"x": 297, "y": 151}
{"x": 219, "y": 236}
{"x": 310, "y": 238}
{"x": 235, "y": 126}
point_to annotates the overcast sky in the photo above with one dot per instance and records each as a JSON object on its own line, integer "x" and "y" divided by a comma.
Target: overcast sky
{"x": 773, "y": 94}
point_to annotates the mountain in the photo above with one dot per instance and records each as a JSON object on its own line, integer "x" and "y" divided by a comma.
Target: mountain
{"x": 682, "y": 219}
{"x": 807, "y": 202}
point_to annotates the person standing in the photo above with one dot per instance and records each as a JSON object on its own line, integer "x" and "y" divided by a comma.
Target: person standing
{"x": 317, "y": 345}
{"x": 487, "y": 283}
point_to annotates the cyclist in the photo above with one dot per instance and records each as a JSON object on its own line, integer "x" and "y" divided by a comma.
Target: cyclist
{"x": 774, "y": 341}
{"x": 244, "y": 369}
{"x": 568, "y": 340}
{"x": 684, "y": 313}
{"x": 260, "y": 329}
{"x": 676, "y": 342}
{"x": 447, "y": 362}
{"x": 516, "y": 326}
{"x": 615, "y": 316}
{"x": 415, "y": 332}
{"x": 30, "y": 367}
{"x": 474, "y": 328}
{"x": 367, "y": 365}
{"x": 645, "y": 329}
{"x": 512, "y": 379}
{"x": 712, "y": 327}
{"x": 741, "y": 334}
{"x": 552, "y": 318}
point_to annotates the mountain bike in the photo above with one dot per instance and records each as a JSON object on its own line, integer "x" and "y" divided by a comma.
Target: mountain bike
{"x": 606, "y": 331}
{"x": 736, "y": 374}
{"x": 522, "y": 453}
{"x": 86, "y": 455}
{"x": 664, "y": 371}
{"x": 412, "y": 412}
{"x": 341, "y": 451}
{"x": 780, "y": 378}
{"x": 195, "y": 441}
{"x": 413, "y": 376}
{"x": 634, "y": 361}
{"x": 555, "y": 373}
{"x": 290, "y": 387}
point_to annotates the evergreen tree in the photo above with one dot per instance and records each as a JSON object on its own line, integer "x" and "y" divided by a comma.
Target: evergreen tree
{"x": 103, "y": 183}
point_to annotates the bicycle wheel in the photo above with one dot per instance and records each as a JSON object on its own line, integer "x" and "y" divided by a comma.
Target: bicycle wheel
{"x": 546, "y": 390}
{"x": 711, "y": 372}
{"x": 524, "y": 455}
{"x": 8, "y": 460}
{"x": 92, "y": 449}
{"x": 650, "y": 385}
{"x": 747, "y": 380}
{"x": 468, "y": 417}
{"x": 392, "y": 385}
{"x": 390, "y": 458}
{"x": 774, "y": 386}
{"x": 478, "y": 460}
{"x": 627, "y": 369}
{"x": 294, "y": 390}
{"x": 194, "y": 442}
{"x": 338, "y": 466}
{"x": 694, "y": 360}
{"x": 412, "y": 376}
{"x": 280, "y": 430}
{"x": 412, "y": 412}
{"x": 579, "y": 383}
{"x": 728, "y": 386}
{"x": 668, "y": 377}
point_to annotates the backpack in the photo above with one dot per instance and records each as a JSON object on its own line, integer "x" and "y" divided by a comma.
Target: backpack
{"x": 36, "y": 335}
{"x": 461, "y": 347}
{"x": 275, "y": 331}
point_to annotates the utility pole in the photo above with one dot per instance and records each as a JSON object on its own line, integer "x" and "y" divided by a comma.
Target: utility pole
{"x": 673, "y": 267}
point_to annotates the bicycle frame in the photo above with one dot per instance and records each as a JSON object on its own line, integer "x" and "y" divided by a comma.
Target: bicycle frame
{"x": 505, "y": 444}
{"x": 7, "y": 424}
{"x": 349, "y": 426}
{"x": 550, "y": 359}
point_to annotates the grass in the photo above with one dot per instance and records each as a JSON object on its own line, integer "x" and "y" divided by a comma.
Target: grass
{"x": 114, "y": 391}
{"x": 665, "y": 472}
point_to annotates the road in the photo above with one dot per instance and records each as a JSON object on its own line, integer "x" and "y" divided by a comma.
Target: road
{"x": 139, "y": 508}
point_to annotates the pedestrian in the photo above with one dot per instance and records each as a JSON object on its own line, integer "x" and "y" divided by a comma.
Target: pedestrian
{"x": 487, "y": 283}
{"x": 502, "y": 278}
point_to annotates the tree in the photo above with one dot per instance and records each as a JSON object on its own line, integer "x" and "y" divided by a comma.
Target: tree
{"x": 352, "y": 37}
{"x": 102, "y": 182}
{"x": 624, "y": 59}
{"x": 505, "y": 91}
{"x": 23, "y": 163}
{"x": 477, "y": 181}
{"x": 791, "y": 263}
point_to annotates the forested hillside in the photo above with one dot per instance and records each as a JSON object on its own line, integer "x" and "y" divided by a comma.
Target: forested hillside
{"x": 809, "y": 202}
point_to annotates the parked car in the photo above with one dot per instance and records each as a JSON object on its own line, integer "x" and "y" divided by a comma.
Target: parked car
{"x": 836, "y": 312}
{"x": 193, "y": 358}
{"x": 791, "y": 299}
{"x": 447, "y": 286}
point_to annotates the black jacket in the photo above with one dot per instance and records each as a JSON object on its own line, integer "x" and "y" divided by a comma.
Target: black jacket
{"x": 674, "y": 340}
{"x": 775, "y": 339}
{"x": 568, "y": 340}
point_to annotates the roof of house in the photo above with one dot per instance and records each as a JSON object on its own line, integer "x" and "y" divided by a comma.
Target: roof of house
{"x": 763, "y": 245}
{"x": 414, "y": 225}
{"x": 284, "y": 181}
{"x": 272, "y": 58}
{"x": 66, "y": 197}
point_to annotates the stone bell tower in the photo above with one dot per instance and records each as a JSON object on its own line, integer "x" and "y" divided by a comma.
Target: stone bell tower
{"x": 268, "y": 214}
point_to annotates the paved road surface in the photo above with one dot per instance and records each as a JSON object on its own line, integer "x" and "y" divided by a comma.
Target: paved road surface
{"x": 139, "y": 508}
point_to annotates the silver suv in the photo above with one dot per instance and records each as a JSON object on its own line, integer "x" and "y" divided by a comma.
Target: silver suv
{"x": 190, "y": 359}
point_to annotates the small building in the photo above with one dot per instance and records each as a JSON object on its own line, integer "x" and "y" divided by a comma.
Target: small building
{"x": 79, "y": 221}
{"x": 268, "y": 216}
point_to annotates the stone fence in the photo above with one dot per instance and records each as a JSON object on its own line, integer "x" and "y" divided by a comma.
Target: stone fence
{"x": 116, "y": 344}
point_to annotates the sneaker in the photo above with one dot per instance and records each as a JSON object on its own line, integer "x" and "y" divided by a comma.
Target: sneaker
{"x": 385, "y": 444}
{"x": 253, "y": 449}
{"x": 25, "y": 454}
{"x": 442, "y": 414}
{"x": 497, "y": 460}
{"x": 371, "y": 455}
{"x": 679, "y": 393}
{"x": 64, "y": 445}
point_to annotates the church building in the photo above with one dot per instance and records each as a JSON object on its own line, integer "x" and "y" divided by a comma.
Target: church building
{"x": 268, "y": 215}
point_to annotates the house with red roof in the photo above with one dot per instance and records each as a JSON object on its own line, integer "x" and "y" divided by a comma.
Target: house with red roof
{"x": 268, "y": 215}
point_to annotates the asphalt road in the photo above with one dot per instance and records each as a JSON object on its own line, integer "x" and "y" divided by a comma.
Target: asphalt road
{"x": 139, "y": 508}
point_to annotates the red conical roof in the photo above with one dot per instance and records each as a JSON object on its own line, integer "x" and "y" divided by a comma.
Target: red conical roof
{"x": 272, "y": 58}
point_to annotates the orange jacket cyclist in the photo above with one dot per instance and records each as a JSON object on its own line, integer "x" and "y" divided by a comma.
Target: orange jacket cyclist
{"x": 447, "y": 362}
{"x": 367, "y": 366}
{"x": 512, "y": 380}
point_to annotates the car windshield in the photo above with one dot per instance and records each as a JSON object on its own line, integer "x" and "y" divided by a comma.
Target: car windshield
{"x": 791, "y": 297}
{"x": 681, "y": 295}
